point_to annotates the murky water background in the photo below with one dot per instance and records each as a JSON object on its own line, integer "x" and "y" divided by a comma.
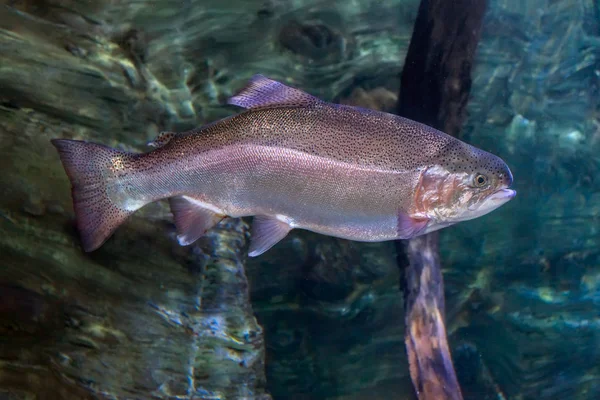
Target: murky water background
{"x": 143, "y": 317}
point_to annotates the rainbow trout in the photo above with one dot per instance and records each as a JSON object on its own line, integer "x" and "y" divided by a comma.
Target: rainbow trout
{"x": 292, "y": 161}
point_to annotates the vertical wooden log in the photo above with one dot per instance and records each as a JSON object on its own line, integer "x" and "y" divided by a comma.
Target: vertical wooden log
{"x": 436, "y": 78}
{"x": 434, "y": 90}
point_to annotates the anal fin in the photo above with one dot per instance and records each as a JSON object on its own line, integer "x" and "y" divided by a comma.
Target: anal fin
{"x": 266, "y": 232}
{"x": 193, "y": 218}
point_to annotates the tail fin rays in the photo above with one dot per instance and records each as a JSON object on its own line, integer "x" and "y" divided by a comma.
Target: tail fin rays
{"x": 87, "y": 166}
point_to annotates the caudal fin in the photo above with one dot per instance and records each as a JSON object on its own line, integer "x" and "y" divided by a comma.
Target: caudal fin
{"x": 88, "y": 166}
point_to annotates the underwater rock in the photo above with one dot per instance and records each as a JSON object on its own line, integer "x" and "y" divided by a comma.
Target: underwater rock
{"x": 379, "y": 98}
{"x": 315, "y": 41}
{"x": 141, "y": 317}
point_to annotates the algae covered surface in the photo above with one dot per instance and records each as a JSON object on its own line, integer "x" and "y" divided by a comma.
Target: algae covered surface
{"x": 316, "y": 317}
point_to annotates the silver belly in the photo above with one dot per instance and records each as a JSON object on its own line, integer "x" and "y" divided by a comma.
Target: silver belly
{"x": 310, "y": 192}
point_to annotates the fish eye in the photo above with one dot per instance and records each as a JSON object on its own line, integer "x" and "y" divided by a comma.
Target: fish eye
{"x": 480, "y": 180}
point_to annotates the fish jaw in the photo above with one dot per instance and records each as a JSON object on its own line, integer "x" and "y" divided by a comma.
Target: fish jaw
{"x": 494, "y": 201}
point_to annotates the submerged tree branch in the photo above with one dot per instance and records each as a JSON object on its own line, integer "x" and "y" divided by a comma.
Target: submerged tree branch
{"x": 436, "y": 81}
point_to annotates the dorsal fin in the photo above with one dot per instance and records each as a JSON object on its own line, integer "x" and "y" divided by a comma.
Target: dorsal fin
{"x": 162, "y": 139}
{"x": 262, "y": 92}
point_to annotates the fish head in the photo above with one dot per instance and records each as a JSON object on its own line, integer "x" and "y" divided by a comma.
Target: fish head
{"x": 462, "y": 184}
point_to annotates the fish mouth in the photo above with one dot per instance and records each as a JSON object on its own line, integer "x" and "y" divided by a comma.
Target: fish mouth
{"x": 493, "y": 201}
{"x": 502, "y": 195}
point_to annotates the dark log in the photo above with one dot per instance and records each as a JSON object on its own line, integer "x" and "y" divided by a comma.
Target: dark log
{"x": 434, "y": 90}
{"x": 436, "y": 78}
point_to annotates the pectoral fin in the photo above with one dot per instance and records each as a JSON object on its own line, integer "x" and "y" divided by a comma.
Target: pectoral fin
{"x": 409, "y": 227}
{"x": 266, "y": 232}
{"x": 193, "y": 218}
